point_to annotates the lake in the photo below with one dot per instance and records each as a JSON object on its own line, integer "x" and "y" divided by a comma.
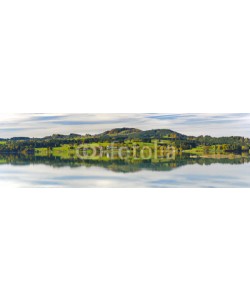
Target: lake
{"x": 232, "y": 171}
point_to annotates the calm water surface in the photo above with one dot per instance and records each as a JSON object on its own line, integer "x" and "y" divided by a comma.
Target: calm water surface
{"x": 30, "y": 171}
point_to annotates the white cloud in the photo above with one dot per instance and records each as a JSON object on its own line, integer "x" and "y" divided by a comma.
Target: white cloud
{"x": 39, "y": 125}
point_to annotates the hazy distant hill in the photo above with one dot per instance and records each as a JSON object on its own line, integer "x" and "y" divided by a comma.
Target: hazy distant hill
{"x": 20, "y": 138}
{"x": 62, "y": 136}
{"x": 157, "y": 134}
{"x": 121, "y": 131}
{"x": 134, "y": 133}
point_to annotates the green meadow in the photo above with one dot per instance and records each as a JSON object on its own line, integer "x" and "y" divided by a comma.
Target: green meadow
{"x": 126, "y": 139}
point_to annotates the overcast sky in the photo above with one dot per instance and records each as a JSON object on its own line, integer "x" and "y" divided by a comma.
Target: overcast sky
{"x": 40, "y": 125}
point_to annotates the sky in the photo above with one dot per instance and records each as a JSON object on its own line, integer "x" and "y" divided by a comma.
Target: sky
{"x": 43, "y": 124}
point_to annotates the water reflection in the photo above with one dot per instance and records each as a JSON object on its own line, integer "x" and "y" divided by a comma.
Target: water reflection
{"x": 178, "y": 171}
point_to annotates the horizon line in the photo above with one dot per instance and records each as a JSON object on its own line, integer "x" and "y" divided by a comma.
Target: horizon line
{"x": 82, "y": 135}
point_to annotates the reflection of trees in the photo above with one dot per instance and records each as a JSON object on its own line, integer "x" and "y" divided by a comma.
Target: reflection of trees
{"x": 116, "y": 165}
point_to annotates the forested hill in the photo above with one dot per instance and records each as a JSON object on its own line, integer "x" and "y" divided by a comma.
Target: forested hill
{"x": 116, "y": 133}
{"x": 134, "y": 133}
{"x": 129, "y": 136}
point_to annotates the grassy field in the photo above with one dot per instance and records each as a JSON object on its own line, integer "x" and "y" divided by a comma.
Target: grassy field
{"x": 41, "y": 152}
{"x": 204, "y": 149}
{"x": 197, "y": 150}
{"x": 69, "y": 151}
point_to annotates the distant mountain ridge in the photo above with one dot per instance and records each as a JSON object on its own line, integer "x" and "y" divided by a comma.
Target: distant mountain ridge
{"x": 134, "y": 133}
{"x": 157, "y": 134}
{"x": 122, "y": 133}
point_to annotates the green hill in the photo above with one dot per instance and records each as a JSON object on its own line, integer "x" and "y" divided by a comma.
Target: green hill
{"x": 128, "y": 136}
{"x": 121, "y": 131}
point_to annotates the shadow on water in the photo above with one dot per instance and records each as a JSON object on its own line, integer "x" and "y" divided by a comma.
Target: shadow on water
{"x": 129, "y": 165}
